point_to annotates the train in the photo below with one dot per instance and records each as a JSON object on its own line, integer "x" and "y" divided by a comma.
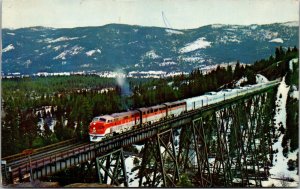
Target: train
{"x": 116, "y": 123}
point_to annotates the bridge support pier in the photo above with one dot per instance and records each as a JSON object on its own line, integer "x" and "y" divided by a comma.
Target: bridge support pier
{"x": 112, "y": 166}
{"x": 159, "y": 166}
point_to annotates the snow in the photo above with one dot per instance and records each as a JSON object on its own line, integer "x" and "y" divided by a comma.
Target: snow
{"x": 279, "y": 169}
{"x": 153, "y": 74}
{"x": 261, "y": 79}
{"x": 294, "y": 94}
{"x": 139, "y": 147}
{"x": 8, "y": 48}
{"x": 132, "y": 42}
{"x": 281, "y": 103}
{"x": 73, "y": 51}
{"x": 91, "y": 52}
{"x": 169, "y": 31}
{"x": 52, "y": 74}
{"x": 152, "y": 54}
{"x": 61, "y": 56}
{"x": 49, "y": 40}
{"x": 276, "y": 40}
{"x": 10, "y": 33}
{"x": 240, "y": 81}
{"x": 198, "y": 44}
{"x": 233, "y": 39}
{"x": 57, "y": 48}
{"x": 167, "y": 63}
{"x": 85, "y": 65}
{"x": 131, "y": 175}
{"x": 193, "y": 59}
{"x": 291, "y": 63}
{"x": 253, "y": 27}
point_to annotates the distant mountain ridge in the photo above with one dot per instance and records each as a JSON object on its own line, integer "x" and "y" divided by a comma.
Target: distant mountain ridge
{"x": 139, "y": 48}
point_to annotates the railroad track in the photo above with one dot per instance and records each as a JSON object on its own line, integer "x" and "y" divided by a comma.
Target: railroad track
{"x": 38, "y": 153}
{"x": 44, "y": 154}
{"x": 49, "y": 155}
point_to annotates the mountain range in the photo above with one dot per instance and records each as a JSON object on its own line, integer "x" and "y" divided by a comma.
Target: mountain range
{"x": 134, "y": 48}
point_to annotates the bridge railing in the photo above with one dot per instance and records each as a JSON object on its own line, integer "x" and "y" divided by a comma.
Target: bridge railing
{"x": 38, "y": 150}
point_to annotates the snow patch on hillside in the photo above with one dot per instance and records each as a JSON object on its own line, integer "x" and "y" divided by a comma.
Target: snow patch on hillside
{"x": 294, "y": 92}
{"x": 152, "y": 54}
{"x": 85, "y": 65}
{"x": 167, "y": 63}
{"x": 8, "y": 48}
{"x": 233, "y": 39}
{"x": 10, "y": 33}
{"x": 193, "y": 59}
{"x": 277, "y": 40}
{"x": 169, "y": 31}
{"x": 295, "y": 95}
{"x": 49, "y": 40}
{"x": 91, "y": 52}
{"x": 56, "y": 48}
{"x": 253, "y": 27}
{"x": 279, "y": 170}
{"x": 73, "y": 51}
{"x": 294, "y": 60}
{"x": 261, "y": 79}
{"x": 198, "y": 44}
{"x": 240, "y": 81}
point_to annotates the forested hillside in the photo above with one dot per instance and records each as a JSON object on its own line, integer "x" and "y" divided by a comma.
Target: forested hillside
{"x": 138, "y": 48}
{"x": 38, "y": 111}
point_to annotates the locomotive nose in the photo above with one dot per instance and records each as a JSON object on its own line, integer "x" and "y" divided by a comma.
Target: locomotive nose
{"x": 93, "y": 127}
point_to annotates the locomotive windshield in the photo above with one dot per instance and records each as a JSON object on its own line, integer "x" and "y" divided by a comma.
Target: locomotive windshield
{"x": 96, "y": 119}
{"x": 102, "y": 119}
{"x": 99, "y": 119}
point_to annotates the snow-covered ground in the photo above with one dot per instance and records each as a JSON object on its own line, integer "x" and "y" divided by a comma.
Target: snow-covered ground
{"x": 200, "y": 43}
{"x": 277, "y": 40}
{"x": 60, "y": 39}
{"x": 8, "y": 48}
{"x": 91, "y": 52}
{"x": 169, "y": 31}
{"x": 294, "y": 92}
{"x": 261, "y": 79}
{"x": 73, "y": 51}
{"x": 279, "y": 170}
{"x": 152, "y": 54}
{"x": 240, "y": 81}
{"x": 291, "y": 63}
{"x": 133, "y": 181}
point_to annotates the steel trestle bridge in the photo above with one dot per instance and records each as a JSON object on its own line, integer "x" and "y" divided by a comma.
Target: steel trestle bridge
{"x": 223, "y": 144}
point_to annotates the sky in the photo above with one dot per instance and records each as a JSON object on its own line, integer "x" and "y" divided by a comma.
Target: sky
{"x": 181, "y": 14}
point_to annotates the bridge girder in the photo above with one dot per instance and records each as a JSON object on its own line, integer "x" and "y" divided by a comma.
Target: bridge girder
{"x": 112, "y": 167}
{"x": 220, "y": 147}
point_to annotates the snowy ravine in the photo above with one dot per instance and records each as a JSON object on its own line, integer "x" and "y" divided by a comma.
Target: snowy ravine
{"x": 279, "y": 170}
